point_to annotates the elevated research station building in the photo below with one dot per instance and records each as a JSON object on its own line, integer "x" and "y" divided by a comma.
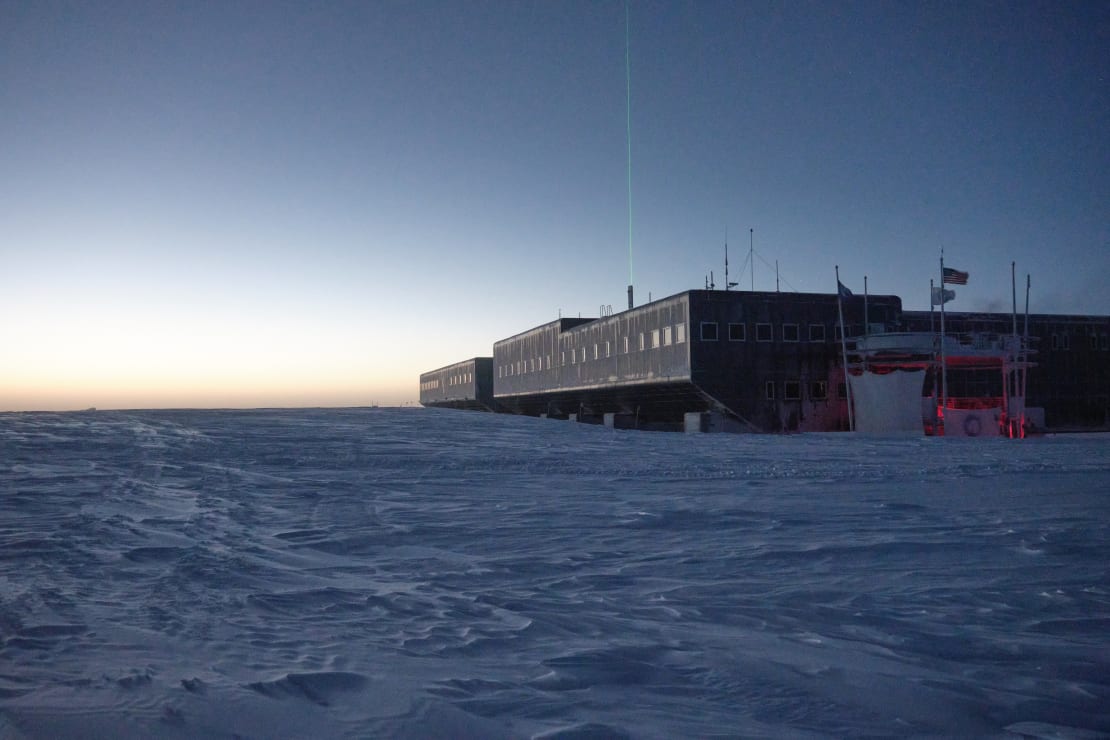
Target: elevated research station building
{"x": 748, "y": 361}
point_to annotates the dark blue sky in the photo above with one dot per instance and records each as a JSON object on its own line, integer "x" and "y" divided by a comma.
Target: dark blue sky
{"x": 247, "y": 203}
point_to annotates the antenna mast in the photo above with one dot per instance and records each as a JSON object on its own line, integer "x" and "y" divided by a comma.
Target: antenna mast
{"x": 726, "y": 259}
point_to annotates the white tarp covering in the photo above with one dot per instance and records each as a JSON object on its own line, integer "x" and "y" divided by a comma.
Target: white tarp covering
{"x": 971, "y": 422}
{"x": 888, "y": 404}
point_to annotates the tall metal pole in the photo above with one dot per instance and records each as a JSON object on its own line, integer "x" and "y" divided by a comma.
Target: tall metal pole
{"x": 751, "y": 255}
{"x": 933, "y": 332}
{"x": 726, "y": 258}
{"x": 866, "y": 313}
{"x": 943, "y": 359}
{"x": 1025, "y": 357}
{"x": 1013, "y": 376}
{"x": 932, "y": 328}
{"x": 844, "y": 353}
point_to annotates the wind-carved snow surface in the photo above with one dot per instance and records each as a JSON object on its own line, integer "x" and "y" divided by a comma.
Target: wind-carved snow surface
{"x": 418, "y": 573}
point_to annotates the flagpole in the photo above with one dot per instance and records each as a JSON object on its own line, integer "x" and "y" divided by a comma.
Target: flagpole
{"x": 844, "y": 353}
{"x": 933, "y": 332}
{"x": 944, "y": 363}
{"x": 1025, "y": 357}
{"x": 1013, "y": 376}
{"x": 932, "y": 326}
{"x": 866, "y": 315}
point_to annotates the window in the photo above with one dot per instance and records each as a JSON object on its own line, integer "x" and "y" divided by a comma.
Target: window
{"x": 532, "y": 364}
{"x": 641, "y": 341}
{"x": 763, "y": 332}
{"x": 792, "y": 390}
{"x": 625, "y": 345}
{"x": 842, "y": 391}
{"x": 666, "y": 336}
{"x": 583, "y": 354}
{"x": 654, "y": 338}
{"x": 679, "y": 333}
{"x": 769, "y": 390}
{"x": 789, "y": 332}
{"x": 549, "y": 362}
{"x": 1065, "y": 341}
{"x": 816, "y": 332}
{"x": 819, "y": 390}
{"x": 1094, "y": 341}
{"x": 607, "y": 348}
{"x": 562, "y": 358}
{"x": 737, "y": 333}
{"x": 709, "y": 331}
{"x": 596, "y": 355}
{"x": 573, "y": 356}
{"x": 1055, "y": 341}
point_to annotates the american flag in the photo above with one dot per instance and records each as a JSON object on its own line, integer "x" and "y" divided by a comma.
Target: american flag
{"x": 953, "y": 276}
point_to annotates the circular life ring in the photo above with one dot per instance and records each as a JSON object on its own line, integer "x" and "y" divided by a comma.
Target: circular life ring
{"x": 972, "y": 426}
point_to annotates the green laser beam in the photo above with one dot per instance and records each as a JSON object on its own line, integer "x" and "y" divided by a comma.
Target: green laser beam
{"x": 628, "y": 128}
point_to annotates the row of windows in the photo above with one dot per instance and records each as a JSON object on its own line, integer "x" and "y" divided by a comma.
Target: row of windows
{"x": 458, "y": 379}
{"x": 461, "y": 379}
{"x": 527, "y": 366}
{"x": 792, "y": 390}
{"x": 1095, "y": 341}
{"x": 763, "y": 332}
{"x": 664, "y": 337}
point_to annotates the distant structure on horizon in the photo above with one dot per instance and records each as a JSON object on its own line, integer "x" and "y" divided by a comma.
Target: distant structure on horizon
{"x": 716, "y": 360}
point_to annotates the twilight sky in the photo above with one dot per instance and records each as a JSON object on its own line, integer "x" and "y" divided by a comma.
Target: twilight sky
{"x": 283, "y": 203}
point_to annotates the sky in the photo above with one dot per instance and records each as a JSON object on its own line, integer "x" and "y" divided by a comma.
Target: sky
{"x": 307, "y": 204}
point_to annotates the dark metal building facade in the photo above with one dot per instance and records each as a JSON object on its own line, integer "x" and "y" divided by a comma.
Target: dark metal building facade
{"x": 773, "y": 359}
{"x": 762, "y": 361}
{"x": 1071, "y": 381}
{"x": 463, "y": 385}
{"x": 636, "y": 362}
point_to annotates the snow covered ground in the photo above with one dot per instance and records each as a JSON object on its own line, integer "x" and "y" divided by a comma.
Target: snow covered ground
{"x": 420, "y": 573}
